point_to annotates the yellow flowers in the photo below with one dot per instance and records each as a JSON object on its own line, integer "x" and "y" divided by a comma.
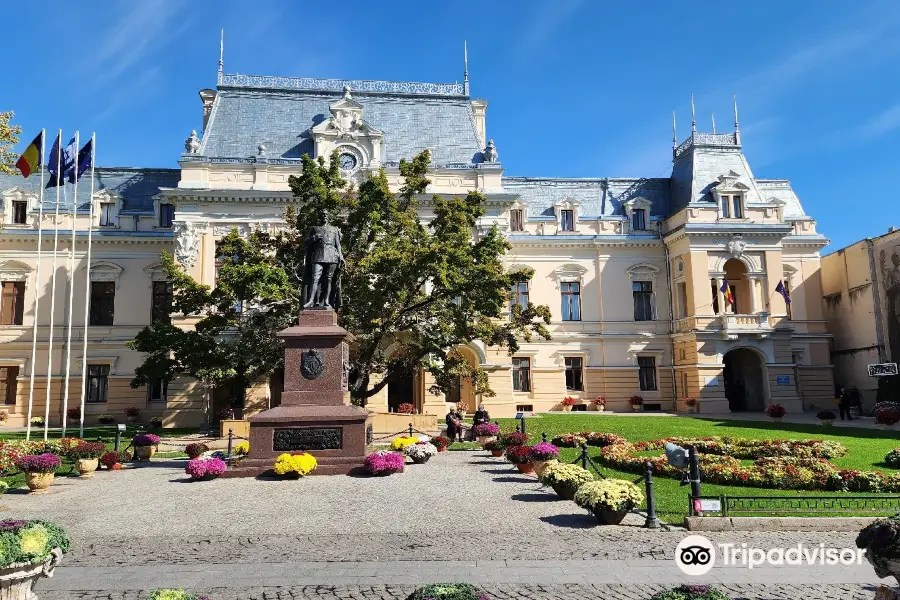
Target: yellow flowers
{"x": 242, "y": 448}
{"x": 34, "y": 540}
{"x": 402, "y": 442}
{"x": 301, "y": 464}
{"x": 609, "y": 494}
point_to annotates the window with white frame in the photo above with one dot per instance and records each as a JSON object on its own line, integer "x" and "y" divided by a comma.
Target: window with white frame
{"x": 730, "y": 194}
{"x": 97, "y": 384}
{"x": 647, "y": 373}
{"x": 642, "y": 294}
{"x": 639, "y": 219}
{"x": 166, "y": 215}
{"x": 521, "y": 374}
{"x": 574, "y": 373}
{"x": 107, "y": 214}
{"x": 19, "y": 212}
{"x": 571, "y": 300}
{"x": 519, "y": 295}
{"x": 567, "y": 220}
{"x": 157, "y": 389}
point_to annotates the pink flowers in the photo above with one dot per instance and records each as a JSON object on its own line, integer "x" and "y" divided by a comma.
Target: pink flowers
{"x": 146, "y": 439}
{"x": 544, "y": 451}
{"x": 487, "y": 429}
{"x": 39, "y": 463}
{"x": 199, "y": 468}
{"x": 383, "y": 463}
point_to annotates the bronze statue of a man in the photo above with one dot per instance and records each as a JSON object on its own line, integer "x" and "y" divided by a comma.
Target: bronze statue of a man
{"x": 324, "y": 262}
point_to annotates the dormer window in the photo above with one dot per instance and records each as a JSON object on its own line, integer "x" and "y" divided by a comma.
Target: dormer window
{"x": 106, "y": 208}
{"x": 732, "y": 206}
{"x": 20, "y": 212}
{"x": 730, "y": 194}
{"x": 517, "y": 220}
{"x": 166, "y": 215}
{"x": 639, "y": 219}
{"x": 106, "y": 214}
{"x": 637, "y": 211}
{"x": 567, "y": 220}
{"x": 566, "y": 215}
{"x": 16, "y": 203}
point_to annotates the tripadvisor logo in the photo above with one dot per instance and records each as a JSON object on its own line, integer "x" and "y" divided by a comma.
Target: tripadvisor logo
{"x": 695, "y": 555}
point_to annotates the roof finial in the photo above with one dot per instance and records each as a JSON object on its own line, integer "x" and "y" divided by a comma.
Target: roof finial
{"x": 221, "y": 50}
{"x": 466, "y": 67}
{"x": 737, "y": 127}
{"x": 674, "y": 136}
{"x": 714, "y": 122}
{"x": 693, "y": 117}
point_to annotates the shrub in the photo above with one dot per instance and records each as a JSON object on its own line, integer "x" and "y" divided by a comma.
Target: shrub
{"x": 111, "y": 458}
{"x": 567, "y": 475}
{"x": 300, "y": 464}
{"x": 30, "y": 542}
{"x": 242, "y": 449}
{"x": 200, "y": 467}
{"x": 776, "y": 411}
{"x": 893, "y": 458}
{"x": 145, "y": 439}
{"x": 73, "y": 414}
{"x": 406, "y": 409}
{"x": 133, "y": 412}
{"x": 518, "y": 455}
{"x": 690, "y": 402}
{"x": 421, "y": 450}
{"x": 826, "y": 415}
{"x": 400, "y": 443}
{"x": 691, "y": 592}
{"x": 447, "y": 591}
{"x": 156, "y": 422}
{"x": 544, "y": 451}
{"x": 515, "y": 439}
{"x": 384, "y": 462}
{"x": 636, "y": 400}
{"x": 39, "y": 463}
{"x": 887, "y": 413}
{"x": 37, "y": 420}
{"x": 440, "y": 442}
{"x": 106, "y": 419}
{"x": 609, "y": 494}
{"x": 600, "y": 401}
{"x": 86, "y": 450}
{"x": 569, "y": 401}
{"x": 487, "y": 429}
{"x": 196, "y": 449}
{"x": 4, "y": 487}
{"x": 881, "y": 538}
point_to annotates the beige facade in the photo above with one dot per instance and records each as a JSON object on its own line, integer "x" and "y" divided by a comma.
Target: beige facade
{"x": 632, "y": 269}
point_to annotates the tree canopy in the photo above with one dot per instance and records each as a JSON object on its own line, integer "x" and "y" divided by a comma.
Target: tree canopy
{"x": 414, "y": 288}
{"x": 9, "y": 137}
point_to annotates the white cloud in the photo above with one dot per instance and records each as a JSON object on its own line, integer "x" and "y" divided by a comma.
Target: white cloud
{"x": 546, "y": 22}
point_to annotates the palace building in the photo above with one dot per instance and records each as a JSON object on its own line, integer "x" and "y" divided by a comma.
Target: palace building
{"x": 664, "y": 288}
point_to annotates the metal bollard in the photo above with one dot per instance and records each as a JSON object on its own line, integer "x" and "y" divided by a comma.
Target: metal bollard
{"x": 544, "y": 436}
{"x": 410, "y": 430}
{"x": 523, "y": 422}
{"x": 652, "y": 521}
{"x": 118, "y": 440}
{"x": 694, "y": 478}
{"x": 584, "y": 455}
{"x": 230, "y": 440}
{"x": 517, "y": 428}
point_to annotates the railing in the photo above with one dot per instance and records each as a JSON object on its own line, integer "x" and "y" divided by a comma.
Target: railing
{"x": 793, "y": 505}
{"x": 734, "y": 324}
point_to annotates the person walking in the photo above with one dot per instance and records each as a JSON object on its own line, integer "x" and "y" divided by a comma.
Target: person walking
{"x": 845, "y": 403}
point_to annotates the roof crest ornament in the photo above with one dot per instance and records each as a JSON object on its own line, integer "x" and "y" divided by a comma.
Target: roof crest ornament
{"x": 737, "y": 128}
{"x": 465, "y": 68}
{"x": 714, "y": 122}
{"x": 674, "y": 136}
{"x": 693, "y": 116}
{"x": 221, "y": 50}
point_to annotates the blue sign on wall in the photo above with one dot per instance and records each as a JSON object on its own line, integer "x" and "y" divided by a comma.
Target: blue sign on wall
{"x": 784, "y": 380}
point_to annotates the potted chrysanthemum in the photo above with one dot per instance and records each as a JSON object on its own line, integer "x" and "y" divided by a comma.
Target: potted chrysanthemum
{"x": 440, "y": 442}
{"x": 486, "y": 432}
{"x": 196, "y": 449}
{"x": 33, "y": 550}
{"x": 87, "y": 456}
{"x": 521, "y": 457}
{"x": 384, "y": 463}
{"x": 421, "y": 452}
{"x": 542, "y": 454}
{"x": 495, "y": 447}
{"x": 691, "y": 404}
{"x": 826, "y": 417}
{"x": 205, "y": 469}
{"x": 296, "y": 465}
{"x": 113, "y": 460}
{"x": 565, "y": 479}
{"x": 776, "y": 412}
{"x": 609, "y": 499}
{"x": 636, "y": 403}
{"x": 39, "y": 470}
{"x": 600, "y": 403}
{"x": 399, "y": 444}
{"x": 567, "y": 403}
{"x": 145, "y": 445}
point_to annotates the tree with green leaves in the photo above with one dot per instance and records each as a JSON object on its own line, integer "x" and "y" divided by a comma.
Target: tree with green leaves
{"x": 413, "y": 290}
{"x": 9, "y": 137}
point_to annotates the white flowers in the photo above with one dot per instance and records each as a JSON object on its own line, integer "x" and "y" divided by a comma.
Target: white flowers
{"x": 421, "y": 450}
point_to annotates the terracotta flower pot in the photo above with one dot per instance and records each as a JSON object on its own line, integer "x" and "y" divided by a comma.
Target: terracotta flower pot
{"x": 497, "y": 453}
{"x": 565, "y": 492}
{"x": 17, "y": 581}
{"x": 525, "y": 467}
{"x": 87, "y": 466}
{"x": 484, "y": 439}
{"x": 442, "y": 449}
{"x": 38, "y": 482}
{"x": 116, "y": 467}
{"x": 566, "y": 408}
{"x": 539, "y": 466}
{"x": 144, "y": 452}
{"x": 609, "y": 517}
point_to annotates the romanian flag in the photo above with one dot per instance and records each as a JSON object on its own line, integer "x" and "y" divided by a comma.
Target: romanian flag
{"x": 726, "y": 291}
{"x": 31, "y": 158}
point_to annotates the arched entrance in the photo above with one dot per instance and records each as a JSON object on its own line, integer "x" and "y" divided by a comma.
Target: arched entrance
{"x": 401, "y": 390}
{"x": 744, "y": 380}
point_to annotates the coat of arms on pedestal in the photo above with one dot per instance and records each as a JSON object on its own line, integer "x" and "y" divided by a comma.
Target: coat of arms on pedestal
{"x": 312, "y": 363}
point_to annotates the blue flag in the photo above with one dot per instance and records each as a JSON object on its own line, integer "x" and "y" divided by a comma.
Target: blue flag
{"x": 59, "y": 167}
{"x": 85, "y": 158}
{"x": 782, "y": 289}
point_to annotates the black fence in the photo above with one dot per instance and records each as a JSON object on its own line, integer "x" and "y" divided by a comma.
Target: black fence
{"x": 794, "y": 505}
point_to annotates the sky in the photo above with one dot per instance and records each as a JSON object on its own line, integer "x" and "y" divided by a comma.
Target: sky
{"x": 577, "y": 88}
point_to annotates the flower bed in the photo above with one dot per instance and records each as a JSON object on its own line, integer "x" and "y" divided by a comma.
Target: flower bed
{"x": 592, "y": 438}
{"x": 202, "y": 468}
{"x": 382, "y": 463}
{"x": 568, "y": 440}
{"x": 300, "y": 464}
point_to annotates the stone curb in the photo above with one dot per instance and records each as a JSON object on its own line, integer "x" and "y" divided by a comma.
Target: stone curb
{"x": 776, "y": 523}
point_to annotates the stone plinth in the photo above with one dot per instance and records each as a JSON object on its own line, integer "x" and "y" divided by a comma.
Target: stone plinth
{"x": 312, "y": 417}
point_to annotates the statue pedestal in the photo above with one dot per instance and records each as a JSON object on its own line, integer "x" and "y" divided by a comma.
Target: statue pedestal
{"x": 312, "y": 417}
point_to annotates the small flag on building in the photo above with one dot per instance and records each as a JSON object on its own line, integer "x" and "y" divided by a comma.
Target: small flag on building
{"x": 31, "y": 158}
{"x": 59, "y": 166}
{"x": 85, "y": 156}
{"x": 726, "y": 291}
{"x": 781, "y": 289}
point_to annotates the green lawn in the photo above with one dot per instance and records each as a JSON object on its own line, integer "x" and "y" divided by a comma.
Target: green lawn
{"x": 867, "y": 448}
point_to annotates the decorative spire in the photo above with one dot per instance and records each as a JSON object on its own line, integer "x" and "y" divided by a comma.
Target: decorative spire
{"x": 221, "y": 50}
{"x": 737, "y": 127}
{"x": 674, "y": 136}
{"x": 714, "y": 122}
{"x": 466, "y": 67}
{"x": 693, "y": 117}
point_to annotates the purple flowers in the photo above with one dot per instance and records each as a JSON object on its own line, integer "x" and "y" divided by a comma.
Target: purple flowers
{"x": 487, "y": 429}
{"x": 544, "y": 451}
{"x": 199, "y": 467}
{"x": 382, "y": 462}
{"x": 39, "y": 463}
{"x": 11, "y": 525}
{"x": 145, "y": 439}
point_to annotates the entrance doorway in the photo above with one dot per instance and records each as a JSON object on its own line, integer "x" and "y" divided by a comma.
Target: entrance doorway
{"x": 743, "y": 376}
{"x": 401, "y": 390}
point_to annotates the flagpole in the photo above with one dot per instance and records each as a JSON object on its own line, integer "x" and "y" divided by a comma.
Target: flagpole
{"x": 37, "y": 288}
{"x": 70, "y": 273}
{"x": 87, "y": 287}
{"x": 53, "y": 289}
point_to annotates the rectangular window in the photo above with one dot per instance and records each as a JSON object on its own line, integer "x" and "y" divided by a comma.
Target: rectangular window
{"x": 8, "y": 384}
{"x": 567, "y": 220}
{"x": 97, "y": 385}
{"x": 19, "y": 212}
{"x": 639, "y": 219}
{"x": 157, "y": 390}
{"x": 647, "y": 373}
{"x": 162, "y": 302}
{"x": 106, "y": 210}
{"x": 12, "y": 304}
{"x": 166, "y": 215}
{"x": 726, "y": 207}
{"x": 103, "y": 302}
{"x": 574, "y": 373}
{"x": 642, "y": 292}
{"x": 681, "y": 299}
{"x": 516, "y": 220}
{"x": 737, "y": 210}
{"x": 684, "y": 385}
{"x": 521, "y": 374}
{"x": 520, "y": 295}
{"x": 524, "y": 408}
{"x": 571, "y": 301}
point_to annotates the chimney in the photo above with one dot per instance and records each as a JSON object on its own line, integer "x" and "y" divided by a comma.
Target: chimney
{"x": 479, "y": 108}
{"x": 207, "y": 96}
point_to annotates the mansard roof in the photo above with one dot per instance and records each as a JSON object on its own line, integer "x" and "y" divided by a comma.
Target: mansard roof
{"x": 280, "y": 111}
{"x": 135, "y": 186}
{"x": 595, "y": 197}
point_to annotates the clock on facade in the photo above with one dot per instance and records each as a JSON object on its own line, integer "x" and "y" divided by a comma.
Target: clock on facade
{"x": 347, "y": 161}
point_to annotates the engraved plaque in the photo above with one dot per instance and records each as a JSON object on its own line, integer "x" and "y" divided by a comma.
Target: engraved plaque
{"x": 307, "y": 438}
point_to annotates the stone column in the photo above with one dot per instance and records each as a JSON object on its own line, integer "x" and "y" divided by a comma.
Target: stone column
{"x": 754, "y": 296}
{"x": 720, "y": 297}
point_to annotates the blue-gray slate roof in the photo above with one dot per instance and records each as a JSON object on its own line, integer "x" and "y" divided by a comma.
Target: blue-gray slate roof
{"x": 596, "y": 197}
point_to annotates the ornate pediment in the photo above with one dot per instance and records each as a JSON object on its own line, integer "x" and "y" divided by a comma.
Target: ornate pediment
{"x": 13, "y": 270}
{"x": 19, "y": 194}
{"x": 346, "y": 130}
{"x": 102, "y": 270}
{"x": 569, "y": 272}
{"x": 731, "y": 182}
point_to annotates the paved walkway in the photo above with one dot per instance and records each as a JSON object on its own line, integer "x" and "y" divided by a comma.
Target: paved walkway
{"x": 462, "y": 517}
